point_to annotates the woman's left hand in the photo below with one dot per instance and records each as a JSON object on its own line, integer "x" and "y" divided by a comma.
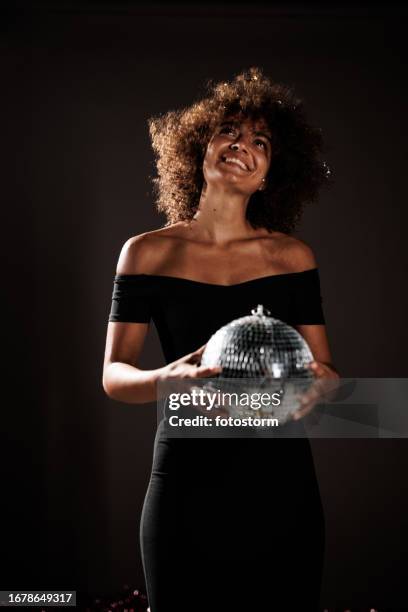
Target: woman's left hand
{"x": 326, "y": 382}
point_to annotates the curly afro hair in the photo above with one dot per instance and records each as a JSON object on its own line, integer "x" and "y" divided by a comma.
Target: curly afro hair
{"x": 180, "y": 138}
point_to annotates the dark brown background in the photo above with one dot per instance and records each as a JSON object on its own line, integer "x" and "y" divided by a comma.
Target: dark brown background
{"x": 79, "y": 84}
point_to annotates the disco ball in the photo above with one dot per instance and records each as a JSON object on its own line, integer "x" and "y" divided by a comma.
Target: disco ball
{"x": 268, "y": 353}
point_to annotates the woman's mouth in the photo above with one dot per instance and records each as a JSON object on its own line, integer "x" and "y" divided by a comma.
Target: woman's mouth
{"x": 227, "y": 159}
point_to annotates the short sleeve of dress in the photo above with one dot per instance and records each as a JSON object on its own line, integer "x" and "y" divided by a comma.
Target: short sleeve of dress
{"x": 306, "y": 298}
{"x": 131, "y": 299}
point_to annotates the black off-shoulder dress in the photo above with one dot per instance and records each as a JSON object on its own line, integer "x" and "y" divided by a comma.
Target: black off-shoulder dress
{"x": 231, "y": 524}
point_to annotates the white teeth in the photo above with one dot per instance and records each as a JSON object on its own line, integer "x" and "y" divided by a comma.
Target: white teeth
{"x": 234, "y": 160}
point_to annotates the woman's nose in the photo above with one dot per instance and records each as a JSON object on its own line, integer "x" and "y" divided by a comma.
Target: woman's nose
{"x": 235, "y": 146}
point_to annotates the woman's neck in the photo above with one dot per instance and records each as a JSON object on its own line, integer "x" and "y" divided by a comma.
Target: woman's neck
{"x": 221, "y": 217}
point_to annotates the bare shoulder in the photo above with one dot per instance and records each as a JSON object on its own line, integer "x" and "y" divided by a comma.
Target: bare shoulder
{"x": 141, "y": 254}
{"x": 296, "y": 254}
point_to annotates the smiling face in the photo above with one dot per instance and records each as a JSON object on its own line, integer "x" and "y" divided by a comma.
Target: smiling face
{"x": 239, "y": 153}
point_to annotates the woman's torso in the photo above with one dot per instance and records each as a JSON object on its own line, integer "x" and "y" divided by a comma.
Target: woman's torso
{"x": 193, "y": 289}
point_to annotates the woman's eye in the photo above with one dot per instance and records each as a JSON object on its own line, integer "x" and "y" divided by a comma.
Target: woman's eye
{"x": 227, "y": 130}
{"x": 260, "y": 142}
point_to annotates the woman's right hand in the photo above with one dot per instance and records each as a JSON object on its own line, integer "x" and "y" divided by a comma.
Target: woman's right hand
{"x": 188, "y": 366}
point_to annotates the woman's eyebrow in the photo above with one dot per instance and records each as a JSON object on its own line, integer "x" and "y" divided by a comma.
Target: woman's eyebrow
{"x": 259, "y": 133}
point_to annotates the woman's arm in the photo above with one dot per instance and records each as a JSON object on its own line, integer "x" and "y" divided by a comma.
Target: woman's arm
{"x": 325, "y": 373}
{"x": 121, "y": 379}
{"x": 125, "y": 382}
{"x": 298, "y": 257}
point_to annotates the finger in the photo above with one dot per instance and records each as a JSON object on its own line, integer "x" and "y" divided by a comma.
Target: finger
{"x": 317, "y": 388}
{"x": 195, "y": 356}
{"x": 209, "y": 387}
{"x": 213, "y": 412}
{"x": 307, "y": 401}
{"x": 299, "y": 414}
{"x": 322, "y": 370}
{"x": 317, "y": 368}
{"x": 210, "y": 409}
{"x": 309, "y": 396}
{"x": 221, "y": 412}
{"x": 322, "y": 387}
{"x": 200, "y": 350}
{"x": 207, "y": 371}
{"x": 312, "y": 394}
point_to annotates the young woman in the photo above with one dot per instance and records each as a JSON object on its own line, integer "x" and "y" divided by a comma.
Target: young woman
{"x": 228, "y": 523}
